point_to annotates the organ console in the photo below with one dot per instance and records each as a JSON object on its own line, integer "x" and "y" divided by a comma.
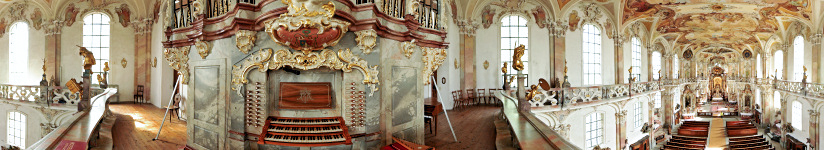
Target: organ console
{"x": 305, "y": 132}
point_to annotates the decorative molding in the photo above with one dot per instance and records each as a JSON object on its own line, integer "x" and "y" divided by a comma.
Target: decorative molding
{"x": 367, "y": 39}
{"x": 265, "y": 60}
{"x": 432, "y": 60}
{"x": 558, "y": 28}
{"x": 179, "y": 60}
{"x": 203, "y": 48}
{"x": 407, "y": 48}
{"x": 245, "y": 40}
{"x": 307, "y": 16}
{"x": 467, "y": 27}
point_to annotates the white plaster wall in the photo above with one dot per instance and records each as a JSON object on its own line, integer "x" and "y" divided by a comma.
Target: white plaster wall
{"x": 122, "y": 47}
{"x": 488, "y": 48}
{"x": 162, "y": 75}
{"x": 448, "y": 70}
{"x": 574, "y": 57}
{"x": 4, "y": 55}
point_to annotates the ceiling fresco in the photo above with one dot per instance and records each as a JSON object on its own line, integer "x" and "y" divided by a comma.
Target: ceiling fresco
{"x": 720, "y": 28}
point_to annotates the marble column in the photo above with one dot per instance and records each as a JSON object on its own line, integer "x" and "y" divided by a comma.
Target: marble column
{"x": 142, "y": 55}
{"x": 53, "y": 51}
{"x": 467, "y": 60}
{"x": 558, "y": 32}
{"x": 766, "y": 104}
{"x": 619, "y": 59}
{"x": 666, "y": 102}
{"x": 620, "y": 127}
{"x": 814, "y": 114}
{"x": 816, "y": 52}
{"x": 649, "y": 64}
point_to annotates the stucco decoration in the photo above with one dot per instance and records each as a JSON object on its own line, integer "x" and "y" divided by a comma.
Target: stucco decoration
{"x": 367, "y": 39}
{"x": 179, "y": 60}
{"x": 123, "y": 62}
{"x": 573, "y": 20}
{"x": 37, "y": 19}
{"x": 71, "y": 14}
{"x": 307, "y": 26}
{"x": 432, "y": 60}
{"x": 245, "y": 40}
{"x": 197, "y": 7}
{"x": 540, "y": 16}
{"x": 412, "y": 7}
{"x": 408, "y": 48}
{"x": 488, "y": 16}
{"x": 3, "y": 26}
{"x": 342, "y": 60}
{"x": 124, "y": 14}
{"x": 203, "y": 48}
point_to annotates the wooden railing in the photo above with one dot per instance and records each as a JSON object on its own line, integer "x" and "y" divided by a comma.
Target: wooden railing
{"x": 527, "y": 131}
{"x": 84, "y": 127}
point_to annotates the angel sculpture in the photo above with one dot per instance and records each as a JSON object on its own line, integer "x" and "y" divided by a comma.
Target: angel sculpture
{"x": 88, "y": 58}
{"x": 517, "y": 64}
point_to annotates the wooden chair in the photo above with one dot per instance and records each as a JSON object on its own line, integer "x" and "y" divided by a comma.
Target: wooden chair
{"x": 470, "y": 96}
{"x": 490, "y": 96}
{"x": 174, "y": 109}
{"x": 139, "y": 94}
{"x": 459, "y": 101}
{"x": 482, "y": 96}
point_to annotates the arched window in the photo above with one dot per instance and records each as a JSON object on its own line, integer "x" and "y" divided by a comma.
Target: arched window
{"x": 758, "y": 70}
{"x": 16, "y": 130}
{"x": 675, "y": 67}
{"x": 636, "y": 58}
{"x": 656, "y": 65}
{"x": 18, "y": 51}
{"x": 778, "y": 62}
{"x": 639, "y": 114}
{"x": 797, "y": 115}
{"x": 96, "y": 33}
{"x": 594, "y": 130}
{"x": 777, "y": 100}
{"x": 798, "y": 58}
{"x": 514, "y": 32}
{"x": 592, "y": 55}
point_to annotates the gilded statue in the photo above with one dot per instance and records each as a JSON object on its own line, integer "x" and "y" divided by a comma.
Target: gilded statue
{"x": 631, "y": 79}
{"x": 517, "y": 64}
{"x": 503, "y": 69}
{"x": 565, "y": 68}
{"x": 532, "y": 92}
{"x": 88, "y": 58}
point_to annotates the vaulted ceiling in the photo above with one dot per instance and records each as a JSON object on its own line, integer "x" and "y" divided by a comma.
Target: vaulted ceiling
{"x": 52, "y": 8}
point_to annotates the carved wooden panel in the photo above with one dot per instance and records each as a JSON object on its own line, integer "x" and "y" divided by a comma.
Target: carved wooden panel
{"x": 305, "y": 95}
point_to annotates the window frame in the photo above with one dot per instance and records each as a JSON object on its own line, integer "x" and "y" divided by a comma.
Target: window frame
{"x": 594, "y": 130}
{"x": 798, "y": 58}
{"x": 798, "y": 115}
{"x": 18, "y": 52}
{"x": 102, "y": 46}
{"x": 513, "y": 25}
{"x": 636, "y": 58}
{"x": 16, "y": 129}
{"x": 591, "y": 55}
{"x": 639, "y": 114}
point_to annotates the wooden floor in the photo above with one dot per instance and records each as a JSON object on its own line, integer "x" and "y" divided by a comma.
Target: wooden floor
{"x": 137, "y": 125}
{"x": 474, "y": 126}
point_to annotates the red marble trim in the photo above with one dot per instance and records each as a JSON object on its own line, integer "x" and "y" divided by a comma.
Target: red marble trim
{"x": 188, "y": 148}
{"x": 236, "y": 133}
{"x": 257, "y": 25}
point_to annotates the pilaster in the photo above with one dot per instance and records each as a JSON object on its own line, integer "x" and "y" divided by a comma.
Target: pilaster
{"x": 621, "y": 122}
{"x": 142, "y": 55}
{"x": 53, "y": 50}
{"x": 557, "y": 31}
{"x": 814, "y": 114}
{"x": 816, "y": 52}
{"x": 467, "y": 53}
{"x": 619, "y": 58}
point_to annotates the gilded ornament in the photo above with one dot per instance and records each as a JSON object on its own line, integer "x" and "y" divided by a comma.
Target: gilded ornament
{"x": 88, "y": 58}
{"x": 179, "y": 60}
{"x": 457, "y": 64}
{"x": 123, "y": 62}
{"x": 307, "y": 26}
{"x": 203, "y": 49}
{"x": 366, "y": 39}
{"x": 154, "y": 62}
{"x": 105, "y": 66}
{"x": 407, "y": 48}
{"x": 486, "y": 64}
{"x": 245, "y": 40}
{"x": 532, "y": 92}
{"x": 342, "y": 60}
{"x": 503, "y": 69}
{"x": 517, "y": 63}
{"x": 432, "y": 60}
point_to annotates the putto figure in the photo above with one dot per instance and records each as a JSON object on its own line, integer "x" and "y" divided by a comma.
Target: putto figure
{"x": 88, "y": 58}
{"x": 517, "y": 64}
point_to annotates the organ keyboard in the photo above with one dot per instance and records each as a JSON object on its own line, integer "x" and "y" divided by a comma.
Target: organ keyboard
{"x": 305, "y": 132}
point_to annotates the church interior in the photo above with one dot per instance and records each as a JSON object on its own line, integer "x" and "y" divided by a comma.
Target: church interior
{"x": 411, "y": 74}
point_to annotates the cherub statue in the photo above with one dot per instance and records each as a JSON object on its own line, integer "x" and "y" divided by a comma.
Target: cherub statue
{"x": 532, "y": 92}
{"x": 88, "y": 58}
{"x": 517, "y": 64}
{"x": 503, "y": 69}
